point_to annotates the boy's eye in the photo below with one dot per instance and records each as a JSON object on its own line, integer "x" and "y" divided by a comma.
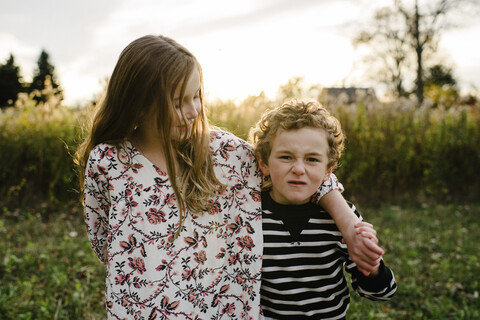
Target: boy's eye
{"x": 285, "y": 157}
{"x": 313, "y": 160}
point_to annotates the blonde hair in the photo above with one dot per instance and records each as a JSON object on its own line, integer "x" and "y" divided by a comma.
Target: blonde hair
{"x": 292, "y": 115}
{"x": 143, "y": 84}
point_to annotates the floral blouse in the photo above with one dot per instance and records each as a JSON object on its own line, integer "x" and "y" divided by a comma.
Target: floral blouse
{"x": 211, "y": 271}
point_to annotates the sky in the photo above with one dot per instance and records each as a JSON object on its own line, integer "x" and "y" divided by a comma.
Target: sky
{"x": 244, "y": 46}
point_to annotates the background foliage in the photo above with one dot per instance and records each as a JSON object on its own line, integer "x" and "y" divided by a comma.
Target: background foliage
{"x": 395, "y": 151}
{"x": 426, "y": 160}
{"x": 35, "y": 144}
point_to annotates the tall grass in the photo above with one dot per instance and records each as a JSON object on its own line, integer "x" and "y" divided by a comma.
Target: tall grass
{"x": 36, "y": 142}
{"x": 395, "y": 152}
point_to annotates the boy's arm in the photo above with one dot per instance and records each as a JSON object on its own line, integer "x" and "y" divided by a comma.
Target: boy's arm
{"x": 379, "y": 287}
{"x": 380, "y": 284}
{"x": 364, "y": 251}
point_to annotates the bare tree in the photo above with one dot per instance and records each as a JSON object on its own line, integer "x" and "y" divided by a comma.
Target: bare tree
{"x": 387, "y": 37}
{"x": 403, "y": 34}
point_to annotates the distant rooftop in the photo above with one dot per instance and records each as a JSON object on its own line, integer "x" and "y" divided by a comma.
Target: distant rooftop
{"x": 348, "y": 95}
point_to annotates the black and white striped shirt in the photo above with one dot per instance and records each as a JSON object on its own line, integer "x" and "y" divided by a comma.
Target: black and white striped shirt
{"x": 303, "y": 265}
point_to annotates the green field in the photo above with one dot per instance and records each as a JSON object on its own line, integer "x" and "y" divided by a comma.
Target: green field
{"x": 48, "y": 270}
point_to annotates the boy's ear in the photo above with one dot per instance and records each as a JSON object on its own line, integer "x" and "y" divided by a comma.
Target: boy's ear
{"x": 263, "y": 166}
{"x": 328, "y": 173}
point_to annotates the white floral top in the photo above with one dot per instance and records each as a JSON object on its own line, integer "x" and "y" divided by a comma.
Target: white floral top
{"x": 211, "y": 271}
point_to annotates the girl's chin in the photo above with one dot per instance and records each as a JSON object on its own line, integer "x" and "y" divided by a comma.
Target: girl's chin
{"x": 179, "y": 133}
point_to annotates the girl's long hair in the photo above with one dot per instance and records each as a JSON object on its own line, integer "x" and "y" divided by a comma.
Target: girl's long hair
{"x": 143, "y": 84}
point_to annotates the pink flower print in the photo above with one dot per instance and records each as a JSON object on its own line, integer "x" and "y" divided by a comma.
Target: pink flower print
{"x": 130, "y": 245}
{"x": 256, "y": 195}
{"x": 224, "y": 288}
{"x": 240, "y": 279}
{"x": 249, "y": 228}
{"x": 192, "y": 241}
{"x": 233, "y": 259}
{"x": 229, "y": 308}
{"x": 170, "y": 200}
{"x": 108, "y": 153}
{"x": 214, "y": 208}
{"x": 188, "y": 274}
{"x": 121, "y": 279}
{"x": 91, "y": 173}
{"x": 191, "y": 296}
{"x": 155, "y": 216}
{"x": 200, "y": 257}
{"x": 169, "y": 306}
{"x": 225, "y": 148}
{"x": 101, "y": 170}
{"x": 221, "y": 254}
{"x": 246, "y": 242}
{"x": 142, "y": 250}
{"x": 138, "y": 190}
{"x": 137, "y": 264}
{"x": 125, "y": 301}
{"x": 234, "y": 227}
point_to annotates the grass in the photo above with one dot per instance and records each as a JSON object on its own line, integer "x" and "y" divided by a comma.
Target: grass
{"x": 48, "y": 271}
{"x": 434, "y": 253}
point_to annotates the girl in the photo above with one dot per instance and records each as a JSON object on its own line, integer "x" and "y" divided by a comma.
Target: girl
{"x": 172, "y": 209}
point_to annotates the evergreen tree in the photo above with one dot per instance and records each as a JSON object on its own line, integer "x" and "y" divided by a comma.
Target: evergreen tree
{"x": 10, "y": 85}
{"x": 440, "y": 75}
{"x": 45, "y": 71}
{"x": 441, "y": 86}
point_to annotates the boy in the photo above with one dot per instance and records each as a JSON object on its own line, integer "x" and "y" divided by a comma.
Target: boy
{"x": 298, "y": 145}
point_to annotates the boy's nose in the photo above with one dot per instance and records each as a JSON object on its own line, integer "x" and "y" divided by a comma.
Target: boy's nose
{"x": 298, "y": 168}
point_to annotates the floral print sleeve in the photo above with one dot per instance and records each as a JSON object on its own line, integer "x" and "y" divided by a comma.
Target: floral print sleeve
{"x": 211, "y": 271}
{"x": 97, "y": 202}
{"x": 328, "y": 185}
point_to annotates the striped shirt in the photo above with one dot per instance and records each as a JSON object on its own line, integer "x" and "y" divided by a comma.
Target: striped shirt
{"x": 303, "y": 265}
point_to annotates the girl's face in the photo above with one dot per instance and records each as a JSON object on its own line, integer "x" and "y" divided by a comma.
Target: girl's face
{"x": 191, "y": 107}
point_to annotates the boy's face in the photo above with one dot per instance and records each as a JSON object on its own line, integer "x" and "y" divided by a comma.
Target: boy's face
{"x": 297, "y": 164}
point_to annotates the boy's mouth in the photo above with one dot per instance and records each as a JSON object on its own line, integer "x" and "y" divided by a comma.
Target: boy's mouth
{"x": 296, "y": 183}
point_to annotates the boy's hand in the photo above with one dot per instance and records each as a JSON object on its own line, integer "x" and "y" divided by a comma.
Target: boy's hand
{"x": 362, "y": 245}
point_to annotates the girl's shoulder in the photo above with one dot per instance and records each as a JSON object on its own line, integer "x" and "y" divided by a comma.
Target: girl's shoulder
{"x": 228, "y": 148}
{"x": 220, "y": 137}
{"x": 111, "y": 152}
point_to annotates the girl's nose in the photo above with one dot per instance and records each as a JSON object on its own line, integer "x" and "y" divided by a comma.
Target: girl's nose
{"x": 190, "y": 110}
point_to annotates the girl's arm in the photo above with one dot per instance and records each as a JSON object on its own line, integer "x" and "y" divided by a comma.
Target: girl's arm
{"x": 96, "y": 205}
{"x": 364, "y": 251}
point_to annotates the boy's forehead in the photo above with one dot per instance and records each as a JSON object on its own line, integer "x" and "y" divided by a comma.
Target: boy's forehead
{"x": 297, "y": 136}
{"x": 293, "y": 131}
